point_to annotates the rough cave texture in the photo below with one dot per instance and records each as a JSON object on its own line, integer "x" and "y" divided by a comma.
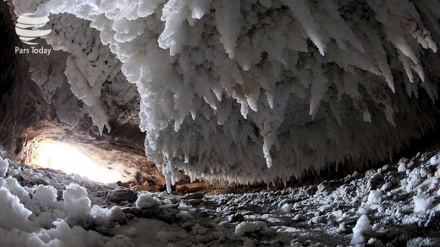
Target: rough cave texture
{"x": 245, "y": 91}
{"x": 21, "y": 101}
{"x": 37, "y": 105}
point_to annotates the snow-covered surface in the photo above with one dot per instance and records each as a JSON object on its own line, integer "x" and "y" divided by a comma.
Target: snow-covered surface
{"x": 254, "y": 90}
{"x": 49, "y": 208}
{"x": 4, "y": 164}
{"x": 361, "y": 228}
{"x": 249, "y": 227}
{"x": 34, "y": 216}
{"x": 375, "y": 196}
{"x": 146, "y": 200}
{"x": 422, "y": 203}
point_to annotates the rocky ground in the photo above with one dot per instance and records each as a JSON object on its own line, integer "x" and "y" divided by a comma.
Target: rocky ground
{"x": 395, "y": 205}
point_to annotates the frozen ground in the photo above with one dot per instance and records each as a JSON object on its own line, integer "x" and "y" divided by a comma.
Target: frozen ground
{"x": 395, "y": 205}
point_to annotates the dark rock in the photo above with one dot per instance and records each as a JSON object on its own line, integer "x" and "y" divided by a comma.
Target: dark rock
{"x": 194, "y": 202}
{"x": 375, "y": 182}
{"x": 187, "y": 226}
{"x": 105, "y": 230}
{"x": 59, "y": 195}
{"x": 41, "y": 181}
{"x": 137, "y": 212}
{"x": 311, "y": 190}
{"x": 129, "y": 216}
{"x": 206, "y": 224}
{"x": 255, "y": 209}
{"x": 433, "y": 221}
{"x": 164, "y": 188}
{"x": 204, "y": 214}
{"x": 236, "y": 218}
{"x": 126, "y": 184}
{"x": 167, "y": 215}
{"x": 120, "y": 195}
{"x": 196, "y": 196}
{"x": 101, "y": 193}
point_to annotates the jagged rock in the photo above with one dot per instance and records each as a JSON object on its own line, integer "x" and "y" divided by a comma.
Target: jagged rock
{"x": 236, "y": 218}
{"x": 121, "y": 195}
{"x": 193, "y": 196}
{"x": 376, "y": 181}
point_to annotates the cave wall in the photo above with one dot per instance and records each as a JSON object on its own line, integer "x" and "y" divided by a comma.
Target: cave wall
{"x": 37, "y": 104}
{"x": 21, "y": 101}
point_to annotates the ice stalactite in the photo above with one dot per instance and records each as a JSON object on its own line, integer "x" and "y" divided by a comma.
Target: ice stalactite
{"x": 249, "y": 90}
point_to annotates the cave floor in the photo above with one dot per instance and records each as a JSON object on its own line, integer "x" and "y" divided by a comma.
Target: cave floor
{"x": 397, "y": 204}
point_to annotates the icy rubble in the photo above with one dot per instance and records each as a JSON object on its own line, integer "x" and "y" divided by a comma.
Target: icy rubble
{"x": 146, "y": 201}
{"x": 257, "y": 227}
{"x": 339, "y": 212}
{"x": 422, "y": 203}
{"x": 250, "y": 90}
{"x": 34, "y": 216}
{"x": 361, "y": 228}
{"x": 332, "y": 213}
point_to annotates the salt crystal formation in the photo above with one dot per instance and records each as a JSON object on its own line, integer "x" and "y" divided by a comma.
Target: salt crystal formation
{"x": 260, "y": 90}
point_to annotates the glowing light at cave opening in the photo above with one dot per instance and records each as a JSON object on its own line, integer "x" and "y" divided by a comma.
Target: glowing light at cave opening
{"x": 67, "y": 158}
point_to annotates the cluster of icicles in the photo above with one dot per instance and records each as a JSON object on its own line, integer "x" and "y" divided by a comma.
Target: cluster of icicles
{"x": 263, "y": 90}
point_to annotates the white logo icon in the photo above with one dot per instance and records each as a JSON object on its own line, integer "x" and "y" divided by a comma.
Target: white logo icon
{"x": 27, "y": 27}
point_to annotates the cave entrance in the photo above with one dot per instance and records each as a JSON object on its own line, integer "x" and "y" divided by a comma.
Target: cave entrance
{"x": 70, "y": 159}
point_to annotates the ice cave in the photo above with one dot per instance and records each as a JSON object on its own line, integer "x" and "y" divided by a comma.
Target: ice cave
{"x": 219, "y": 123}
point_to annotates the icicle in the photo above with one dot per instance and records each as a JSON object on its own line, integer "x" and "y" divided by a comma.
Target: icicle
{"x": 380, "y": 56}
{"x": 318, "y": 89}
{"x": 367, "y": 116}
{"x": 228, "y": 19}
{"x": 407, "y": 66}
{"x": 173, "y": 32}
{"x": 199, "y": 8}
{"x": 267, "y": 144}
{"x": 339, "y": 28}
{"x": 303, "y": 15}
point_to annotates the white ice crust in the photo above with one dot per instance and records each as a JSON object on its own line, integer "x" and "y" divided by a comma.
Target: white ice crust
{"x": 249, "y": 90}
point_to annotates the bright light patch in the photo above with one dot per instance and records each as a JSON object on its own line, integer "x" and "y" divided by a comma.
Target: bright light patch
{"x": 64, "y": 157}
